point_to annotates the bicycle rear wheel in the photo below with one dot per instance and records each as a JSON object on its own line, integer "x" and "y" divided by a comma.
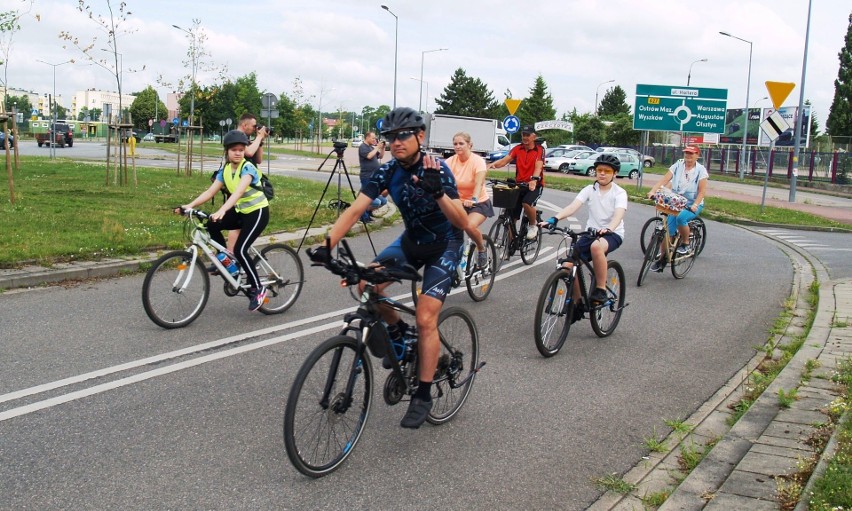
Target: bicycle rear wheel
{"x": 606, "y": 317}
{"x": 323, "y": 420}
{"x": 554, "y": 313}
{"x": 283, "y": 276}
{"x": 480, "y": 280}
{"x": 648, "y": 231}
{"x": 682, "y": 263}
{"x": 529, "y": 248}
{"x": 652, "y": 253}
{"x": 174, "y": 292}
{"x": 499, "y": 234}
{"x": 700, "y": 236}
{"x": 457, "y": 363}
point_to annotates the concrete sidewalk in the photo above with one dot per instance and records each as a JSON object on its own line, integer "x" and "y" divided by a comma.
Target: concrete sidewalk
{"x": 752, "y": 459}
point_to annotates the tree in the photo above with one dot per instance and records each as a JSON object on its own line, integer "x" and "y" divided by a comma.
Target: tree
{"x": 621, "y": 133}
{"x": 22, "y": 103}
{"x": 814, "y": 121}
{"x": 112, "y": 26}
{"x": 538, "y": 106}
{"x": 144, "y": 107}
{"x": 839, "y": 122}
{"x": 466, "y": 96}
{"x": 613, "y": 103}
{"x": 589, "y": 129}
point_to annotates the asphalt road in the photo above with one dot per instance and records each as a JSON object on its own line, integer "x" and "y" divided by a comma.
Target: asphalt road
{"x": 100, "y": 408}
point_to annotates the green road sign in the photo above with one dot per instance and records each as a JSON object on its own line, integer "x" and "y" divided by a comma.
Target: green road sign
{"x": 674, "y": 108}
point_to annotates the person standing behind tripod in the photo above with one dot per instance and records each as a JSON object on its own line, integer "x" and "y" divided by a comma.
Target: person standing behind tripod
{"x": 370, "y": 154}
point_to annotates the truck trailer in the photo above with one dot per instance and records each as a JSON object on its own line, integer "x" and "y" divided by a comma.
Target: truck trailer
{"x": 486, "y": 135}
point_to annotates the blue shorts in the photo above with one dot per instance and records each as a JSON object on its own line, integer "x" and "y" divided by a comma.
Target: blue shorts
{"x": 584, "y": 244}
{"x": 439, "y": 260}
{"x": 682, "y": 218}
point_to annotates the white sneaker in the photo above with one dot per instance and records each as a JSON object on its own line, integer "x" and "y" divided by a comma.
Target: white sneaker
{"x": 532, "y": 232}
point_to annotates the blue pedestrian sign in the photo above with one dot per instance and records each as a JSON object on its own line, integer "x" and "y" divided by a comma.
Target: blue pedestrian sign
{"x": 175, "y": 121}
{"x": 379, "y": 124}
{"x": 511, "y": 124}
{"x": 185, "y": 123}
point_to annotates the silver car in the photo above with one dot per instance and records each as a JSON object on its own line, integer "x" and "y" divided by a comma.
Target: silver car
{"x": 564, "y": 163}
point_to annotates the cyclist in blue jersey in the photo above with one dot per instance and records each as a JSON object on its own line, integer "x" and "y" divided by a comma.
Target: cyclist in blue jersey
{"x": 425, "y": 192}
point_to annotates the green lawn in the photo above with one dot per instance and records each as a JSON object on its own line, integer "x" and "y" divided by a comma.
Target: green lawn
{"x": 64, "y": 212}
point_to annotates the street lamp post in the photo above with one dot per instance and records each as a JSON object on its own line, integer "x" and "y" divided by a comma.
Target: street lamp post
{"x": 689, "y": 76}
{"x": 422, "y": 57}
{"x": 395, "y": 49}
{"x": 596, "y": 94}
{"x": 745, "y": 122}
{"x": 53, "y": 125}
{"x": 193, "y": 57}
{"x": 800, "y": 114}
{"x": 120, "y": 78}
{"x": 421, "y": 91}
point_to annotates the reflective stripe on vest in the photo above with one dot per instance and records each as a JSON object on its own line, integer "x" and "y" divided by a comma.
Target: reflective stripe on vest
{"x": 252, "y": 199}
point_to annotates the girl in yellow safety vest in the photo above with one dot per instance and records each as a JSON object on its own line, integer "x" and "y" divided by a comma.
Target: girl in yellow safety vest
{"x": 245, "y": 209}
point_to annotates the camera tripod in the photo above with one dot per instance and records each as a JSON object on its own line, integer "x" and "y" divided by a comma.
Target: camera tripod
{"x": 337, "y": 204}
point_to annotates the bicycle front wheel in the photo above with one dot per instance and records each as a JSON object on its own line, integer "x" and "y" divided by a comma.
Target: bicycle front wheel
{"x": 648, "y": 231}
{"x": 605, "y": 318}
{"x": 480, "y": 280}
{"x": 652, "y": 253}
{"x": 499, "y": 234}
{"x": 282, "y": 275}
{"x": 554, "y": 313}
{"x": 700, "y": 235}
{"x": 328, "y": 406}
{"x": 457, "y": 364}
{"x": 682, "y": 263}
{"x": 174, "y": 292}
{"x": 530, "y": 248}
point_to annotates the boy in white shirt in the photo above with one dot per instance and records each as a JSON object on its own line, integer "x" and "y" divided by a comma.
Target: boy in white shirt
{"x": 607, "y": 203}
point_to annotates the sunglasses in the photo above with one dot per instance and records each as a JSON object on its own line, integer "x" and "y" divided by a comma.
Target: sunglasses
{"x": 402, "y": 136}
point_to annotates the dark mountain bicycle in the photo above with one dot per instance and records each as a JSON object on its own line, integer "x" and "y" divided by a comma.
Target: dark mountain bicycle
{"x": 329, "y": 402}
{"x": 556, "y": 307}
{"x": 507, "y": 238}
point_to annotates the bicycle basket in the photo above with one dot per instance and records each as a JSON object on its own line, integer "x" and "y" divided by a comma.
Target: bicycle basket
{"x": 505, "y": 197}
{"x": 669, "y": 202}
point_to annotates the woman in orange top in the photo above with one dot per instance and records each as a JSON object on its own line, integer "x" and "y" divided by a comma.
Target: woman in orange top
{"x": 469, "y": 170}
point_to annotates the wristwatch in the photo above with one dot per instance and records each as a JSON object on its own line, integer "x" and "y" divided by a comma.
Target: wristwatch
{"x": 535, "y": 178}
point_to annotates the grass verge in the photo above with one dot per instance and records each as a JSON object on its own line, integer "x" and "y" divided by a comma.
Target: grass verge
{"x": 65, "y": 212}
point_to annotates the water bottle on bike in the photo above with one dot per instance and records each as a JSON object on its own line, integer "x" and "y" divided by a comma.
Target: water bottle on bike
{"x": 230, "y": 263}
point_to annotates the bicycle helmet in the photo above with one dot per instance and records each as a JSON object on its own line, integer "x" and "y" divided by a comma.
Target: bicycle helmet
{"x": 402, "y": 118}
{"x": 234, "y": 137}
{"x": 610, "y": 160}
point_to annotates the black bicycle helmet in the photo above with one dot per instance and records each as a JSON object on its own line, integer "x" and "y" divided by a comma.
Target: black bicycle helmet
{"x": 234, "y": 137}
{"x": 402, "y": 118}
{"x": 609, "y": 159}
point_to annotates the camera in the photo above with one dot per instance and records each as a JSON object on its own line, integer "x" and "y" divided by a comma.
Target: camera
{"x": 268, "y": 130}
{"x": 340, "y": 147}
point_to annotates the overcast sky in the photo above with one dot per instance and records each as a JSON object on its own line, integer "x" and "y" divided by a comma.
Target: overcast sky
{"x": 346, "y": 48}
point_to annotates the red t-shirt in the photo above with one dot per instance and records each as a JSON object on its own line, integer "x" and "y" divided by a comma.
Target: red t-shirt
{"x": 525, "y": 162}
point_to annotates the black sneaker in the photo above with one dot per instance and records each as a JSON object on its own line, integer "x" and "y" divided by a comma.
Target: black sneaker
{"x": 657, "y": 266}
{"x": 417, "y": 412}
{"x": 598, "y": 295}
{"x": 579, "y": 310}
{"x": 683, "y": 250}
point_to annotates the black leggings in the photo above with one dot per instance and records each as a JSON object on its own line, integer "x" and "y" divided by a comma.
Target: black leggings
{"x": 250, "y": 226}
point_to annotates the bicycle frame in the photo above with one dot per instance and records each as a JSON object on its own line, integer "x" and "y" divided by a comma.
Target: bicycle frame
{"x": 571, "y": 255}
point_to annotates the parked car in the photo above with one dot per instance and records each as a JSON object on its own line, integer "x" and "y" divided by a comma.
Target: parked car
{"x": 630, "y": 166}
{"x": 563, "y": 163}
{"x": 558, "y": 151}
{"x": 3, "y": 139}
{"x": 496, "y": 155}
{"x": 149, "y": 137}
{"x": 576, "y": 147}
{"x": 647, "y": 160}
{"x": 356, "y": 142}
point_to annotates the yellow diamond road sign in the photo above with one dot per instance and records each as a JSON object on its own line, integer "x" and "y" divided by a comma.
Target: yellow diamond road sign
{"x": 778, "y": 92}
{"x": 512, "y": 105}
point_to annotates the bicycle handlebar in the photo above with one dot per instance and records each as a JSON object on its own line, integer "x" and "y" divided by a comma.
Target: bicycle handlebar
{"x": 194, "y": 212}
{"x": 509, "y": 182}
{"x": 353, "y": 272}
{"x": 567, "y": 231}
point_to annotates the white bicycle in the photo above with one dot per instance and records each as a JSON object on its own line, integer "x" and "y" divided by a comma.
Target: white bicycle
{"x": 177, "y": 286}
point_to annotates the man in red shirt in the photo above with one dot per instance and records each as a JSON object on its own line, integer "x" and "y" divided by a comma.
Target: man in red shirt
{"x": 529, "y": 168}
